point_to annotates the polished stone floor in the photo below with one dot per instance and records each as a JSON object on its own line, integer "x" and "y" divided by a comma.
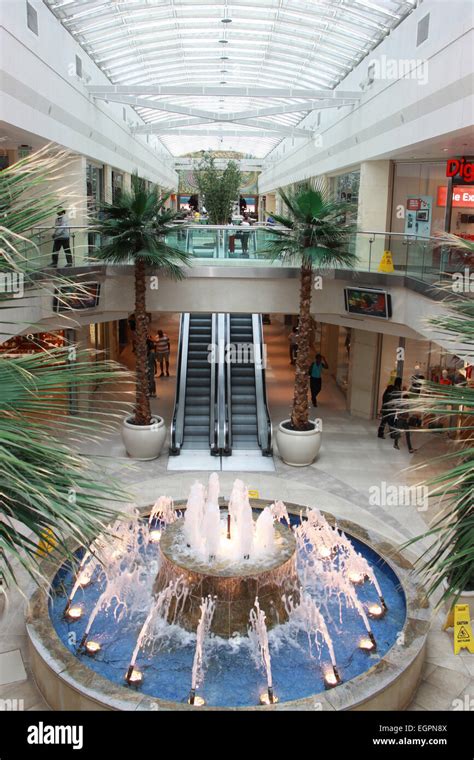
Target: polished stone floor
{"x": 351, "y": 462}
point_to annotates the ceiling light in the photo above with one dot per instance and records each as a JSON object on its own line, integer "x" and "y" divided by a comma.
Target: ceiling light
{"x": 223, "y": 82}
{"x": 224, "y": 57}
{"x": 226, "y": 20}
{"x": 223, "y": 42}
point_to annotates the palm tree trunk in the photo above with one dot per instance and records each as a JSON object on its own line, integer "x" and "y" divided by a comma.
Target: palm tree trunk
{"x": 142, "y": 402}
{"x": 300, "y": 412}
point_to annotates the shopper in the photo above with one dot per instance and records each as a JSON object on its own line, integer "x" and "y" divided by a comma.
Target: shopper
{"x": 163, "y": 352}
{"x": 151, "y": 368}
{"x": 293, "y": 339}
{"x": 61, "y": 239}
{"x": 385, "y": 411}
{"x": 315, "y": 377}
{"x": 398, "y": 419}
{"x": 244, "y": 236}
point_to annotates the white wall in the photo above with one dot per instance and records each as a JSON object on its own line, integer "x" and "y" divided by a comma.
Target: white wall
{"x": 42, "y": 95}
{"x": 392, "y": 114}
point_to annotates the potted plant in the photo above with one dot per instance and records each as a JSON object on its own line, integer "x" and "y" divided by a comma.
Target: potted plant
{"x": 50, "y": 492}
{"x": 134, "y": 228}
{"x": 315, "y": 236}
{"x": 219, "y": 189}
{"x": 447, "y": 566}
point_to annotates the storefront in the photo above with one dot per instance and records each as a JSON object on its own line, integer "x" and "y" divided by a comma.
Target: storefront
{"x": 430, "y": 197}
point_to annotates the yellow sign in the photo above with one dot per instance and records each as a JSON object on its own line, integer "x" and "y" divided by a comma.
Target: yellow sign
{"x": 254, "y": 494}
{"x": 386, "y": 262}
{"x": 462, "y": 629}
{"x": 46, "y": 543}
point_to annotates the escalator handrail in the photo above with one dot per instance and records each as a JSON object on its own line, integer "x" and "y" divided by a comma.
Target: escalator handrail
{"x": 223, "y": 424}
{"x": 177, "y": 421}
{"x": 264, "y": 421}
{"x": 228, "y": 391}
{"x": 213, "y": 409}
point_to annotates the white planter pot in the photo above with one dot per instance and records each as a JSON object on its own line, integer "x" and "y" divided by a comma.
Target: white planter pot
{"x": 298, "y": 448}
{"x": 144, "y": 441}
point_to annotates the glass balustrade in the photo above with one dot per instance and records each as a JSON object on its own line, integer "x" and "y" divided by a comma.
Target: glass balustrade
{"x": 427, "y": 259}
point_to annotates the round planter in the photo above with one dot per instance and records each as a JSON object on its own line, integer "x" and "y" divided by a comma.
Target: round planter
{"x": 144, "y": 441}
{"x": 466, "y": 597}
{"x": 296, "y": 447}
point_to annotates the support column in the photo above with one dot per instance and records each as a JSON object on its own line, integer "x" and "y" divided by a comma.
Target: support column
{"x": 363, "y": 374}
{"x": 374, "y": 211}
{"x": 330, "y": 345}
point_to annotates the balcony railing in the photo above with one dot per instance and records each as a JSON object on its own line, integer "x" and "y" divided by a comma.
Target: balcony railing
{"x": 428, "y": 259}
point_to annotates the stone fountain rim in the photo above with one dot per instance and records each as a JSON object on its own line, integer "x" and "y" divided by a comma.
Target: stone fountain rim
{"x": 66, "y": 683}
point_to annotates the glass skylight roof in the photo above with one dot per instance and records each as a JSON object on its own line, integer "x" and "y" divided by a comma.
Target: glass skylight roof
{"x": 194, "y": 45}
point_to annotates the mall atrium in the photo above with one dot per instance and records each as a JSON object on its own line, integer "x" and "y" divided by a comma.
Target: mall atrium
{"x": 236, "y": 353}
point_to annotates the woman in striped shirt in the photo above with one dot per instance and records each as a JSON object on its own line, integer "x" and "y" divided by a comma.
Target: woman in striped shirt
{"x": 163, "y": 352}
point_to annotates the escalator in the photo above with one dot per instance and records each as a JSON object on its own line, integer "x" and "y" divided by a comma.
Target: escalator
{"x": 193, "y": 418}
{"x": 221, "y": 404}
{"x": 242, "y": 384}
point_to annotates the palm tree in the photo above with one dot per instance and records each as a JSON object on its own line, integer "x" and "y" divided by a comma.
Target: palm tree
{"x": 449, "y": 561}
{"x": 49, "y": 492}
{"x": 134, "y": 227}
{"x": 316, "y": 237}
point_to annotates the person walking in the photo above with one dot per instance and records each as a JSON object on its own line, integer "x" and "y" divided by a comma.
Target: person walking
{"x": 61, "y": 238}
{"x": 151, "y": 368}
{"x": 385, "y": 411}
{"x": 398, "y": 419}
{"x": 245, "y": 237}
{"x": 163, "y": 352}
{"x": 315, "y": 377}
{"x": 293, "y": 339}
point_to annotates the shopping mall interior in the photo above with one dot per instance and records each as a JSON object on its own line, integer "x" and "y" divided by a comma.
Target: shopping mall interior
{"x": 236, "y": 345}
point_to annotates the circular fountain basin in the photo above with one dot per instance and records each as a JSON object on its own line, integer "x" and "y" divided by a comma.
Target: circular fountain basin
{"x": 234, "y": 585}
{"x": 385, "y": 679}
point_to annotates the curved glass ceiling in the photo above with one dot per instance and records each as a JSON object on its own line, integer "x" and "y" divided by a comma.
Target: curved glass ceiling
{"x": 205, "y": 56}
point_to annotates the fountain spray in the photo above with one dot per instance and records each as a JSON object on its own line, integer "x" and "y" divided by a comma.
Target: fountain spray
{"x": 207, "y": 607}
{"x": 258, "y": 635}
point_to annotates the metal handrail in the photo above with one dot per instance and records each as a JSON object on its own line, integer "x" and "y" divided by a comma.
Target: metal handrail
{"x": 264, "y": 422}
{"x": 228, "y": 392}
{"x": 213, "y": 410}
{"x": 223, "y": 422}
{"x": 177, "y": 422}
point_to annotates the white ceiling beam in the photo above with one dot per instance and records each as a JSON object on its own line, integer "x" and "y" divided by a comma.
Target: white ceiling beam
{"x": 222, "y": 91}
{"x": 162, "y": 127}
{"x": 309, "y": 105}
{"x": 160, "y": 105}
{"x": 177, "y": 131}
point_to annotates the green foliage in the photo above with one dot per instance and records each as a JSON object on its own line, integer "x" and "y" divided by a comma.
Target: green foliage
{"x": 219, "y": 189}
{"x": 134, "y": 228}
{"x": 47, "y": 487}
{"x": 315, "y": 234}
{"x": 450, "y": 558}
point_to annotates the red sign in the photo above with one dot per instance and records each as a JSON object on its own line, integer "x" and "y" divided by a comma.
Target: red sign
{"x": 459, "y": 167}
{"x": 463, "y": 196}
{"x": 413, "y": 204}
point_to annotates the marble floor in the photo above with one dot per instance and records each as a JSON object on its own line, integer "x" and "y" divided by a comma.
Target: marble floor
{"x": 352, "y": 463}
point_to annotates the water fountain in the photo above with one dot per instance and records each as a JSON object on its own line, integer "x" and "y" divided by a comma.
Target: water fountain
{"x": 228, "y": 594}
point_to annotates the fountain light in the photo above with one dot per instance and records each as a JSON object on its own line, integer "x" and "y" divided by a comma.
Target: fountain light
{"x": 155, "y": 536}
{"x": 268, "y": 697}
{"x": 134, "y": 676}
{"x": 195, "y": 700}
{"x": 356, "y": 578}
{"x": 376, "y": 610}
{"x": 74, "y": 612}
{"x": 368, "y": 643}
{"x": 92, "y": 647}
{"x": 84, "y": 578}
{"x": 332, "y": 678}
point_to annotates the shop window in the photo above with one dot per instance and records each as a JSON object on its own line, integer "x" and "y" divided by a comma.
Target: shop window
{"x": 423, "y": 29}
{"x": 32, "y": 18}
